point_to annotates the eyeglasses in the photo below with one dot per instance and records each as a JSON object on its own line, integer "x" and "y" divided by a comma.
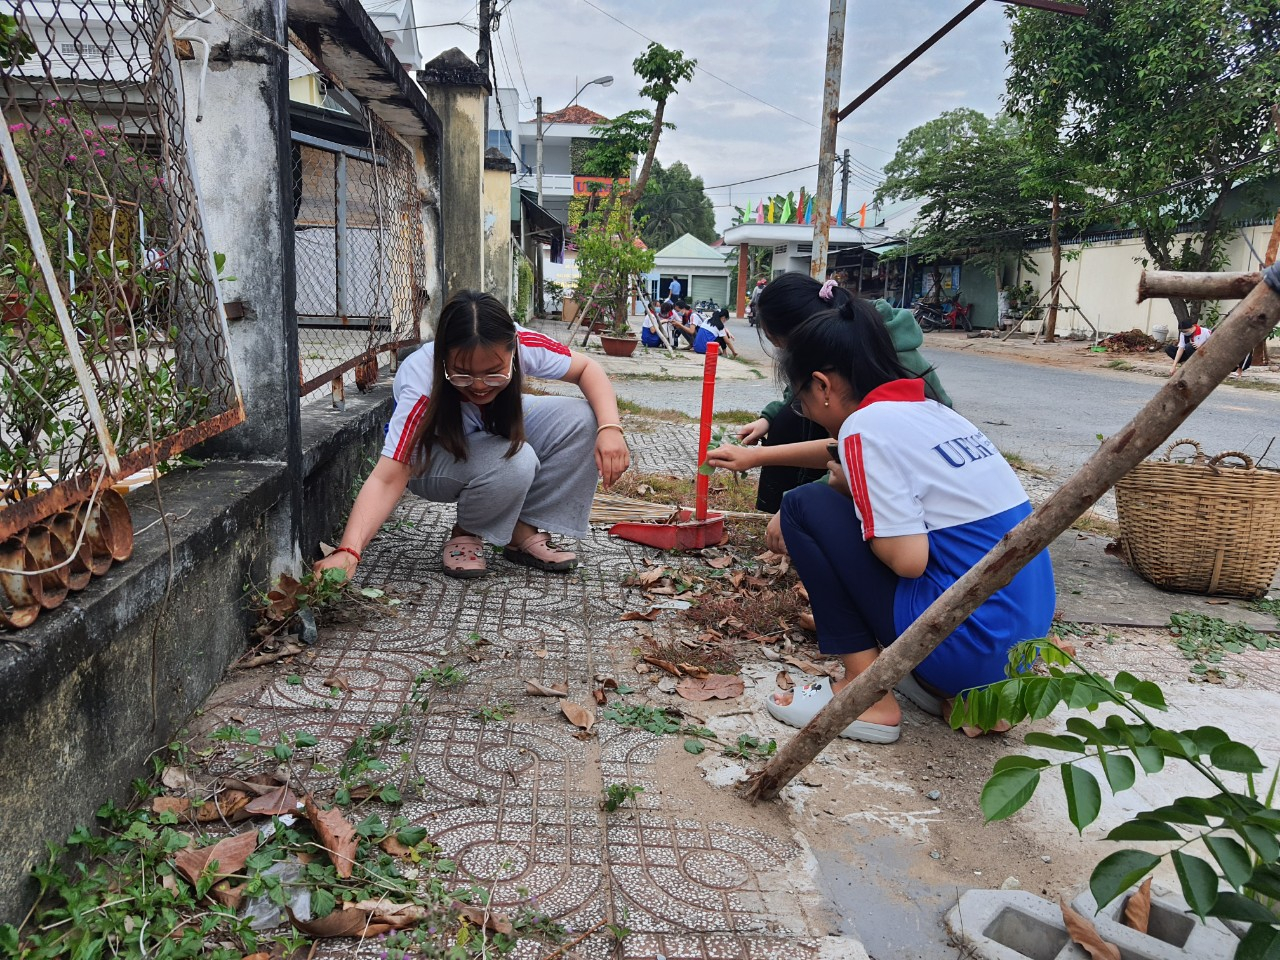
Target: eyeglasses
{"x": 797, "y": 398}
{"x": 462, "y": 380}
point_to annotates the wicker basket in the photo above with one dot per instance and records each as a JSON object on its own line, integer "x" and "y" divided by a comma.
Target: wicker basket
{"x": 1202, "y": 525}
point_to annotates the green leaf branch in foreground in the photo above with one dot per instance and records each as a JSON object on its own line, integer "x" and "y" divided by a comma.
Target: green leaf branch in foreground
{"x": 1224, "y": 847}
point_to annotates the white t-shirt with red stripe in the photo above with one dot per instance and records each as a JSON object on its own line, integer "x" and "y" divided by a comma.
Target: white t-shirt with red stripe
{"x": 1195, "y": 337}
{"x": 538, "y": 356}
{"x": 916, "y": 466}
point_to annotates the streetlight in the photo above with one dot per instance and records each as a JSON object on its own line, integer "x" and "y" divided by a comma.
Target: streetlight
{"x": 602, "y": 81}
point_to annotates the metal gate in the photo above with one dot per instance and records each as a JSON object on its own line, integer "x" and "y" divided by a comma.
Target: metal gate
{"x": 359, "y": 254}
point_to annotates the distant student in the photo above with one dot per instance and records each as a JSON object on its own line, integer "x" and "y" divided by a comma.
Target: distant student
{"x": 649, "y": 335}
{"x": 1191, "y": 337}
{"x": 684, "y": 325}
{"x": 714, "y": 331}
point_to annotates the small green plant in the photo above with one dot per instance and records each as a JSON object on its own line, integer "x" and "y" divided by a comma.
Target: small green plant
{"x": 497, "y": 713}
{"x": 1237, "y": 821}
{"x": 751, "y": 748}
{"x": 616, "y": 795}
{"x": 441, "y": 675}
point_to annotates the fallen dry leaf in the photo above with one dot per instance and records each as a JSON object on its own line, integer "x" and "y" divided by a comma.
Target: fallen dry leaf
{"x": 230, "y": 854}
{"x": 260, "y": 955}
{"x": 279, "y": 801}
{"x": 650, "y": 577}
{"x": 343, "y": 922}
{"x": 1084, "y": 933}
{"x": 1217, "y": 603}
{"x": 808, "y": 666}
{"x": 288, "y": 650}
{"x": 650, "y": 614}
{"x": 1137, "y": 910}
{"x": 578, "y": 715}
{"x": 338, "y": 682}
{"x": 535, "y": 689}
{"x": 180, "y": 806}
{"x": 717, "y": 686}
{"x": 177, "y": 778}
{"x": 719, "y": 563}
{"x": 394, "y": 846}
{"x": 598, "y": 693}
{"x": 784, "y": 680}
{"x": 283, "y": 598}
{"x": 493, "y": 921}
{"x": 694, "y": 670}
{"x": 736, "y": 578}
{"x": 541, "y": 654}
{"x": 666, "y": 665}
{"x": 227, "y": 895}
{"x": 336, "y": 835}
{"x": 229, "y": 805}
{"x": 608, "y": 683}
{"x": 398, "y": 915}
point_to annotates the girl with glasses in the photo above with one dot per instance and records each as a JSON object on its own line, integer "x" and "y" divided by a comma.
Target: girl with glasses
{"x": 918, "y": 496}
{"x": 519, "y": 467}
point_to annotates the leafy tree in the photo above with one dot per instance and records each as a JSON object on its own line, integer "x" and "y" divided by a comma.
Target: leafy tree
{"x": 675, "y": 204}
{"x": 1165, "y": 101}
{"x": 661, "y": 70}
{"x": 969, "y": 170}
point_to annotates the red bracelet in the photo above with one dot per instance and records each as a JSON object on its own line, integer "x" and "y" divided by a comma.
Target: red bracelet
{"x": 347, "y": 550}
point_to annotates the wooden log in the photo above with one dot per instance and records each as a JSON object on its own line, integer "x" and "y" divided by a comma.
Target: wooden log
{"x": 1195, "y": 286}
{"x": 1247, "y": 324}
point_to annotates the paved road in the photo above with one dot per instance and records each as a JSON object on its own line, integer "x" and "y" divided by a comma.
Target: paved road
{"x": 1051, "y": 416}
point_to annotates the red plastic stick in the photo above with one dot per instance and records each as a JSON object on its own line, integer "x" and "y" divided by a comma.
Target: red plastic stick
{"x": 704, "y": 429}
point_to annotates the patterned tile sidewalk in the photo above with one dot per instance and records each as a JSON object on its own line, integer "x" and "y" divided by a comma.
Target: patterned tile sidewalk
{"x": 516, "y": 802}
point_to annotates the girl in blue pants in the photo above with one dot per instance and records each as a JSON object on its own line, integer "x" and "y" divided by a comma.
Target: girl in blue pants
{"x": 917, "y": 497}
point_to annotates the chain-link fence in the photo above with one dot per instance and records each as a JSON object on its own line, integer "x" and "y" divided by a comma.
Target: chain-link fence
{"x": 113, "y": 346}
{"x": 360, "y": 256}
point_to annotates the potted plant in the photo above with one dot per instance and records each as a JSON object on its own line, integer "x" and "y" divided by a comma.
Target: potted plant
{"x": 610, "y": 257}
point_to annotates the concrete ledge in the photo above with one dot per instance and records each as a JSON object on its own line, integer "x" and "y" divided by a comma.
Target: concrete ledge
{"x": 98, "y": 684}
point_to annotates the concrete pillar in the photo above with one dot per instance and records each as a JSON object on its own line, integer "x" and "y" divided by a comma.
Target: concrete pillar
{"x": 244, "y": 167}
{"x": 458, "y": 91}
{"x": 744, "y": 264}
{"x": 497, "y": 227}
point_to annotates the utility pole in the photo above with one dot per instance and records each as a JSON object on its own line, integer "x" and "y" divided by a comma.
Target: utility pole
{"x": 483, "y": 55}
{"x": 827, "y": 143}
{"x": 538, "y": 285}
{"x": 844, "y": 185}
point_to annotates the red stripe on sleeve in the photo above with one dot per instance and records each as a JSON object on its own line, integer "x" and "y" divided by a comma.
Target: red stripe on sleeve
{"x": 858, "y": 483}
{"x": 531, "y": 338}
{"x": 411, "y": 424}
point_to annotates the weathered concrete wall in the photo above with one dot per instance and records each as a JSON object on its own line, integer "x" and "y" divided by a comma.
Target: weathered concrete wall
{"x": 497, "y": 230}
{"x": 457, "y": 89}
{"x": 241, "y": 154}
{"x": 96, "y": 685}
{"x": 1104, "y": 281}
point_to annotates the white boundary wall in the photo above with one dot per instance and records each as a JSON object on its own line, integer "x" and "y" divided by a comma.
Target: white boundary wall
{"x": 1103, "y": 279}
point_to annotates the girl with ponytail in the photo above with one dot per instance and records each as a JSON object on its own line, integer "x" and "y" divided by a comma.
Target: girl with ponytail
{"x": 917, "y": 497}
{"x": 788, "y": 449}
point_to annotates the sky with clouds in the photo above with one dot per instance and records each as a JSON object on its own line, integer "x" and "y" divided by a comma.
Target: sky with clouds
{"x": 752, "y": 108}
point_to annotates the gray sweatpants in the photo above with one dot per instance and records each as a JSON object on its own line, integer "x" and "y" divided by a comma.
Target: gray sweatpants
{"x": 548, "y": 483}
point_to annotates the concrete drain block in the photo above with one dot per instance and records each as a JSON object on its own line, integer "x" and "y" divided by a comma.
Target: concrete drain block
{"x": 1016, "y": 925}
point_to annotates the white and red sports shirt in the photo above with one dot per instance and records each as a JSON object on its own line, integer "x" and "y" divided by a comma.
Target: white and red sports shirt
{"x": 916, "y": 466}
{"x": 1194, "y": 337}
{"x": 538, "y": 356}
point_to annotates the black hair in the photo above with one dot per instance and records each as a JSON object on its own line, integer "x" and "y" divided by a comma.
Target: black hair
{"x": 852, "y": 341}
{"x": 723, "y": 314}
{"x": 1186, "y": 323}
{"x": 471, "y": 320}
{"x": 789, "y": 300}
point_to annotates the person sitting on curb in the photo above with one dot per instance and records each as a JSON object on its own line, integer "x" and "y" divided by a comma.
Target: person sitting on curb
{"x": 462, "y": 432}
{"x": 918, "y": 496}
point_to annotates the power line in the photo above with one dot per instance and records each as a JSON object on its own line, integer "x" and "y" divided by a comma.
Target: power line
{"x": 781, "y": 173}
{"x": 515, "y": 43}
{"x": 732, "y": 86}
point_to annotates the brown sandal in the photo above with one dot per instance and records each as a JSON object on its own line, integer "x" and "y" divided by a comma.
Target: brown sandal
{"x": 463, "y": 557}
{"x": 538, "y": 553}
